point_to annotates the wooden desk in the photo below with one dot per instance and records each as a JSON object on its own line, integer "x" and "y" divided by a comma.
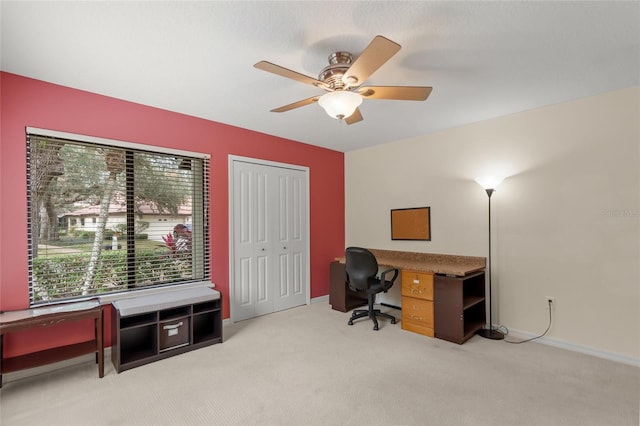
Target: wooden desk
{"x": 443, "y": 296}
{"x": 444, "y": 264}
{"x": 51, "y": 316}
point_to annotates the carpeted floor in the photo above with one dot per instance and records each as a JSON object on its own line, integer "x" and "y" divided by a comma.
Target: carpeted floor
{"x": 306, "y": 366}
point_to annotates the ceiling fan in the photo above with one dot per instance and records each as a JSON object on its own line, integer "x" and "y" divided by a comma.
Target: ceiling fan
{"x": 343, "y": 79}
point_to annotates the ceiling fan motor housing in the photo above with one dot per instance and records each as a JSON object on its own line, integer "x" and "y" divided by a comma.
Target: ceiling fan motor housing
{"x": 339, "y": 63}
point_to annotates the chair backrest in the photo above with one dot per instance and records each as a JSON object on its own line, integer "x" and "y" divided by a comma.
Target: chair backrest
{"x": 360, "y": 265}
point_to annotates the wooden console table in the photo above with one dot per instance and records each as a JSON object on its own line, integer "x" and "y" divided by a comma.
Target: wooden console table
{"x": 51, "y": 316}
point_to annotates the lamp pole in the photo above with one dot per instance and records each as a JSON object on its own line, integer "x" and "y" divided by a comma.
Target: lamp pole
{"x": 490, "y": 333}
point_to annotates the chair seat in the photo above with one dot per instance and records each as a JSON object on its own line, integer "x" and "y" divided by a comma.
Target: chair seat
{"x": 377, "y": 286}
{"x": 362, "y": 275}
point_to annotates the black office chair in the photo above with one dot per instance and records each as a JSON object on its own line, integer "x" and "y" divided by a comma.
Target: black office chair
{"x": 361, "y": 272}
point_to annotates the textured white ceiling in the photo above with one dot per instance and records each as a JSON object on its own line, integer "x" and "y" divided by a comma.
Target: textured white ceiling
{"x": 483, "y": 59}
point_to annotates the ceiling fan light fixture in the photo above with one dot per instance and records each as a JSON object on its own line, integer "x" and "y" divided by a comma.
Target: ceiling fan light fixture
{"x": 340, "y": 104}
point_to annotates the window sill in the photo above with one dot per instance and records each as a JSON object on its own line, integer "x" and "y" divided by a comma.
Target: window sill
{"x": 107, "y": 299}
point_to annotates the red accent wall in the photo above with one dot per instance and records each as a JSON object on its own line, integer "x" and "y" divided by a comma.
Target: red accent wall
{"x": 26, "y": 102}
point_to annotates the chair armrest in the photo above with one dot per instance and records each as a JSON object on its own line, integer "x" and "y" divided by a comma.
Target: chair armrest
{"x": 384, "y": 273}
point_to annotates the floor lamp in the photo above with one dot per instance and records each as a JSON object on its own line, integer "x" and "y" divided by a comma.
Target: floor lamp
{"x": 490, "y": 184}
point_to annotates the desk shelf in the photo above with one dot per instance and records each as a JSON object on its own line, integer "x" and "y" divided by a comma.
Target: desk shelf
{"x": 459, "y": 306}
{"x": 471, "y": 301}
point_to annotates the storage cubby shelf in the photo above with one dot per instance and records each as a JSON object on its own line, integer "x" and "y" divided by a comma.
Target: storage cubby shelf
{"x": 148, "y": 328}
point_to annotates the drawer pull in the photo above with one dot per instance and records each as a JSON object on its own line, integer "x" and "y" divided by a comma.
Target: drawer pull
{"x": 172, "y": 329}
{"x": 172, "y": 326}
{"x": 416, "y": 291}
{"x": 415, "y": 317}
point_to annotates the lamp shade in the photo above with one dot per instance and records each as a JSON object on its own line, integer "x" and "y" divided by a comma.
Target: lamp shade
{"x": 490, "y": 182}
{"x": 340, "y": 104}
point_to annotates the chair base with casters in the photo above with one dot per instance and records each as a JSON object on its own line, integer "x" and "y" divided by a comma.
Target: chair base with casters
{"x": 361, "y": 274}
{"x": 371, "y": 313}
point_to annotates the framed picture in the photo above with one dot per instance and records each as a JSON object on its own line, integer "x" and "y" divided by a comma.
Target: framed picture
{"x": 411, "y": 224}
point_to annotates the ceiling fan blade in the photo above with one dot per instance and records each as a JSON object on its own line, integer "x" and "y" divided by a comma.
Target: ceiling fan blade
{"x": 379, "y": 51}
{"x": 297, "y": 104}
{"x": 285, "y": 72}
{"x": 354, "y": 118}
{"x": 402, "y": 93}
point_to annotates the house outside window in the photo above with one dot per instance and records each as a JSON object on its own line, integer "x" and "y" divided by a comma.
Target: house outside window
{"x": 148, "y": 210}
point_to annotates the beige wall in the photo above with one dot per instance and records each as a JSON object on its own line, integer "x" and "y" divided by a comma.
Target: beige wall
{"x": 566, "y": 222}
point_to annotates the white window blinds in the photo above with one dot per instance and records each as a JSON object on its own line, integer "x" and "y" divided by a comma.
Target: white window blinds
{"x": 113, "y": 217}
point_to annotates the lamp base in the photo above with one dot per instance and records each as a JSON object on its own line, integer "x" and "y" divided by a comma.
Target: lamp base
{"x": 489, "y": 333}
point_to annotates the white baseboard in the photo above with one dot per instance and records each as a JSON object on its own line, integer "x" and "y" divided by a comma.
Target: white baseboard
{"x": 320, "y": 299}
{"x": 611, "y": 356}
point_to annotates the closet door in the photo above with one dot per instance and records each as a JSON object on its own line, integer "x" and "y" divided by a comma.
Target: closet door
{"x": 269, "y": 239}
{"x": 291, "y": 239}
{"x": 253, "y": 237}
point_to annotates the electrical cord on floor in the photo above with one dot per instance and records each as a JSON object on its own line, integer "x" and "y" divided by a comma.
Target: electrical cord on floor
{"x": 533, "y": 338}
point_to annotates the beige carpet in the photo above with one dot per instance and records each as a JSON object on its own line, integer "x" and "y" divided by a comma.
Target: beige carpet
{"x": 306, "y": 366}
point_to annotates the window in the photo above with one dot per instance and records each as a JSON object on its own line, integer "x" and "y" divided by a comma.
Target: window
{"x": 149, "y": 210}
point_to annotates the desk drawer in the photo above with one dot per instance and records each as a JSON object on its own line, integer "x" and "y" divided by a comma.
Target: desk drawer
{"x": 417, "y": 284}
{"x": 417, "y": 327}
{"x": 417, "y": 311}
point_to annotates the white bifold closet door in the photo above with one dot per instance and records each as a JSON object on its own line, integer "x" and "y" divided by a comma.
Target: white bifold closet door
{"x": 269, "y": 239}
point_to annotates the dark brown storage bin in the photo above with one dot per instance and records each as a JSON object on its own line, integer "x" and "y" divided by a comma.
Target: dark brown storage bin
{"x": 173, "y": 333}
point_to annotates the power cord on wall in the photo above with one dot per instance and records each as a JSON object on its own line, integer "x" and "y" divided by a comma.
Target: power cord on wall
{"x": 533, "y": 338}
